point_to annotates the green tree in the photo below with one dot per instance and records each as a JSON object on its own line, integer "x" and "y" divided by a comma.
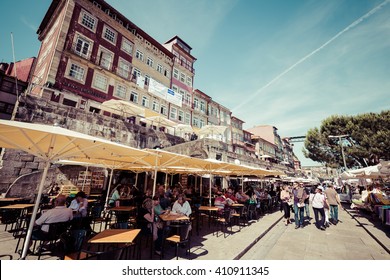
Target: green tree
{"x": 368, "y": 140}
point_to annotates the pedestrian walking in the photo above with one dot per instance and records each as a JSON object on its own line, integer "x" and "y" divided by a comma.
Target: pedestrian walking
{"x": 285, "y": 198}
{"x": 299, "y": 204}
{"x": 318, "y": 204}
{"x": 307, "y": 203}
{"x": 334, "y": 203}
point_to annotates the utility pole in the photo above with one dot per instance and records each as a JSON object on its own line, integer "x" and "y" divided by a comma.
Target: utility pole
{"x": 340, "y": 137}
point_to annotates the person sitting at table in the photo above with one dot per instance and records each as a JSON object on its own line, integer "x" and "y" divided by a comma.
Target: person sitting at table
{"x": 149, "y": 223}
{"x": 181, "y": 206}
{"x": 60, "y": 213}
{"x": 241, "y": 197}
{"x": 116, "y": 195}
{"x": 79, "y": 205}
{"x": 158, "y": 210}
{"x": 220, "y": 202}
{"x": 230, "y": 194}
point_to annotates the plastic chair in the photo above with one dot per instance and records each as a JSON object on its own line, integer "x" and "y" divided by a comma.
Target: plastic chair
{"x": 182, "y": 236}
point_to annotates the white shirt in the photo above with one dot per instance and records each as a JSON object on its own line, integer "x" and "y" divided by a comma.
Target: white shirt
{"x": 55, "y": 215}
{"x": 318, "y": 200}
{"x": 185, "y": 209}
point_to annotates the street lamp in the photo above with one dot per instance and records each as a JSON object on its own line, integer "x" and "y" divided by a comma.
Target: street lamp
{"x": 341, "y": 144}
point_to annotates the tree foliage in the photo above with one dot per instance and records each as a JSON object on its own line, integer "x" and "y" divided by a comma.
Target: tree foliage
{"x": 368, "y": 140}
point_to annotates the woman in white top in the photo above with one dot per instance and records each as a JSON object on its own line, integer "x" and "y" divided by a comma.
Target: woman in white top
{"x": 181, "y": 206}
{"x": 318, "y": 202}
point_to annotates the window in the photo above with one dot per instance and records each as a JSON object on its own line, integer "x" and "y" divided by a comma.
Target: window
{"x": 109, "y": 34}
{"x": 163, "y": 110}
{"x": 188, "y": 118}
{"x": 105, "y": 58}
{"x": 139, "y": 55}
{"x": 189, "y": 81}
{"x": 196, "y": 103}
{"x": 201, "y": 123}
{"x": 159, "y": 68}
{"x": 145, "y": 101}
{"x": 147, "y": 80}
{"x": 88, "y": 21}
{"x": 127, "y": 46}
{"x": 182, "y": 77}
{"x": 100, "y": 82}
{"x": 175, "y": 88}
{"x": 202, "y": 106}
{"x": 195, "y": 122}
{"x": 120, "y": 91}
{"x": 155, "y": 106}
{"x": 83, "y": 47}
{"x": 167, "y": 73}
{"x": 123, "y": 69}
{"x": 173, "y": 113}
{"x": 136, "y": 73}
{"x": 180, "y": 116}
{"x": 149, "y": 62}
{"x": 76, "y": 72}
{"x": 176, "y": 74}
{"x": 134, "y": 97}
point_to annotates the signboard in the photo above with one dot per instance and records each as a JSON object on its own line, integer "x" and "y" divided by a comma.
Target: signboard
{"x": 157, "y": 89}
{"x": 174, "y": 97}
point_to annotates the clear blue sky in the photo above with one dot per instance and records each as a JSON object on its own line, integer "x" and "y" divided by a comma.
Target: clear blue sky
{"x": 287, "y": 63}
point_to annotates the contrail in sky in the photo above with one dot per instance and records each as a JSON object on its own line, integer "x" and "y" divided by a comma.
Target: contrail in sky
{"x": 352, "y": 25}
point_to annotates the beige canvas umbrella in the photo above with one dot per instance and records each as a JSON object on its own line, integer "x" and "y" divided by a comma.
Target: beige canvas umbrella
{"x": 212, "y": 130}
{"x": 122, "y": 108}
{"x": 52, "y": 143}
{"x": 160, "y": 121}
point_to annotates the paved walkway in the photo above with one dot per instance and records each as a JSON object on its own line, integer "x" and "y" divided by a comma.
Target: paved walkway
{"x": 346, "y": 241}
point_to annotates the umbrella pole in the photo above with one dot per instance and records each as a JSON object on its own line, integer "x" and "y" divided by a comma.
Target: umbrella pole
{"x": 166, "y": 181}
{"x": 35, "y": 210}
{"x": 85, "y": 178}
{"x": 242, "y": 183}
{"x": 155, "y": 178}
{"x": 210, "y": 191}
{"x": 136, "y": 179}
{"x": 201, "y": 186}
{"x": 108, "y": 189}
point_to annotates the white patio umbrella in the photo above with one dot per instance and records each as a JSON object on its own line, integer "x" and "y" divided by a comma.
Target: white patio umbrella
{"x": 160, "y": 121}
{"x": 183, "y": 128}
{"x": 122, "y": 108}
{"x": 52, "y": 143}
{"x": 212, "y": 130}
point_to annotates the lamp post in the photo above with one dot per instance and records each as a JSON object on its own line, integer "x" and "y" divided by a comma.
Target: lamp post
{"x": 341, "y": 144}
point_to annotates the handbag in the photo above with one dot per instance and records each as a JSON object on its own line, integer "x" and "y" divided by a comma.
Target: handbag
{"x": 301, "y": 204}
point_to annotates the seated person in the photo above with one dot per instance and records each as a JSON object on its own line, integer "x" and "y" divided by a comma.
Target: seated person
{"x": 220, "y": 202}
{"x": 79, "y": 205}
{"x": 148, "y": 222}
{"x": 230, "y": 194}
{"x": 181, "y": 206}
{"x": 158, "y": 210}
{"x": 116, "y": 195}
{"x": 241, "y": 197}
{"x": 60, "y": 213}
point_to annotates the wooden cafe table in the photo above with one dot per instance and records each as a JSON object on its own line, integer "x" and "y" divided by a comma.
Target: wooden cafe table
{"x": 23, "y": 207}
{"x": 211, "y": 210}
{"x": 115, "y": 236}
{"x": 173, "y": 217}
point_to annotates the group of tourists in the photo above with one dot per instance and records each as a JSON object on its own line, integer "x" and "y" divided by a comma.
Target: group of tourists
{"x": 324, "y": 202}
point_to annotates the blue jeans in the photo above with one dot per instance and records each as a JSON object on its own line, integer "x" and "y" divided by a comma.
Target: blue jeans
{"x": 334, "y": 213}
{"x": 307, "y": 210}
{"x": 298, "y": 215}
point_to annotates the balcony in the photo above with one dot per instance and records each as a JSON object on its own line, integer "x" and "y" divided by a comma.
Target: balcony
{"x": 185, "y": 65}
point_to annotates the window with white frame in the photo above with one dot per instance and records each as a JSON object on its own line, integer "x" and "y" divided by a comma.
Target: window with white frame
{"x": 76, "y": 72}
{"x": 182, "y": 77}
{"x": 149, "y": 61}
{"x": 201, "y": 123}
{"x": 167, "y": 73}
{"x": 163, "y": 110}
{"x": 147, "y": 80}
{"x": 120, "y": 91}
{"x": 100, "y": 82}
{"x": 175, "y": 88}
{"x": 136, "y": 73}
{"x": 83, "y": 46}
{"x": 203, "y": 106}
{"x": 189, "y": 81}
{"x": 127, "y": 46}
{"x": 195, "y": 122}
{"x": 109, "y": 34}
{"x": 176, "y": 73}
{"x": 123, "y": 69}
{"x": 139, "y": 55}
{"x": 196, "y": 103}
{"x": 134, "y": 97}
{"x": 187, "y": 119}
{"x": 145, "y": 101}
{"x": 159, "y": 68}
{"x": 173, "y": 113}
{"x": 155, "y": 106}
{"x": 88, "y": 21}
{"x": 180, "y": 116}
{"x": 105, "y": 58}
